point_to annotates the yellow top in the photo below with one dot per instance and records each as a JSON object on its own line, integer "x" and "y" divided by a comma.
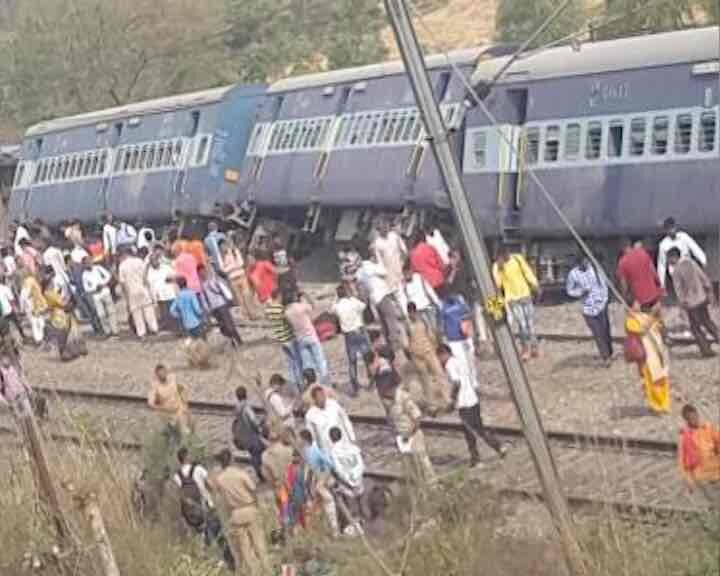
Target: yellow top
{"x": 58, "y": 316}
{"x": 515, "y": 278}
{"x": 35, "y": 293}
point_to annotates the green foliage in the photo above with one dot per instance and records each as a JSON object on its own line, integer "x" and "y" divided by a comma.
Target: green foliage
{"x": 269, "y": 39}
{"x": 516, "y": 20}
{"x": 641, "y": 16}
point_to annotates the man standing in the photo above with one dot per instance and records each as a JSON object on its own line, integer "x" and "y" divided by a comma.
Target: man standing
{"x": 638, "y": 278}
{"x": 391, "y": 252}
{"x": 247, "y": 430}
{"x": 131, "y": 275}
{"x": 585, "y": 282}
{"x": 456, "y": 320}
{"x": 685, "y": 243}
{"x": 109, "y": 238}
{"x": 299, "y": 315}
{"x": 324, "y": 415}
{"x": 468, "y": 404}
{"x": 212, "y": 245}
{"x": 216, "y": 298}
{"x": 517, "y": 282}
{"x": 426, "y": 261}
{"x": 244, "y": 528}
{"x": 694, "y": 292}
{"x": 349, "y": 311}
{"x": 160, "y": 280}
{"x": 283, "y": 334}
{"x": 186, "y": 266}
{"x": 96, "y": 283}
{"x": 186, "y": 308}
{"x": 405, "y": 417}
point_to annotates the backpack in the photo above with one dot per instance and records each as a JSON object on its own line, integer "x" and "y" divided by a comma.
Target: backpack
{"x": 191, "y": 499}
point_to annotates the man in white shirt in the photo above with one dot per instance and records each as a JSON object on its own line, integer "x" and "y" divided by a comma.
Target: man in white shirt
{"x": 21, "y": 233}
{"x": 372, "y": 278}
{"x": 417, "y": 290}
{"x": 96, "y": 283}
{"x": 78, "y": 254}
{"x": 55, "y": 259}
{"x": 281, "y": 408}
{"x": 109, "y": 238}
{"x": 468, "y": 404}
{"x": 349, "y": 311}
{"x": 126, "y": 235}
{"x": 391, "y": 252}
{"x": 675, "y": 238}
{"x": 160, "y": 279}
{"x": 131, "y": 275}
{"x": 325, "y": 414}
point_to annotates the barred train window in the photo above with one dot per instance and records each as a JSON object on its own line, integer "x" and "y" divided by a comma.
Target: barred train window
{"x": 615, "y": 138}
{"x": 479, "y": 142}
{"x": 103, "y": 161}
{"x": 95, "y": 164}
{"x": 552, "y": 143}
{"x": 572, "y": 141}
{"x": 593, "y": 141}
{"x": 637, "y": 137}
{"x": 660, "y": 135}
{"x": 202, "y": 150}
{"x": 533, "y": 145}
{"x": 150, "y": 161}
{"x": 707, "y": 135}
{"x": 683, "y": 133}
{"x": 143, "y": 158}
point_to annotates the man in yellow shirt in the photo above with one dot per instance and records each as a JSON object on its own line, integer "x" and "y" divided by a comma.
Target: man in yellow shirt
{"x": 517, "y": 282}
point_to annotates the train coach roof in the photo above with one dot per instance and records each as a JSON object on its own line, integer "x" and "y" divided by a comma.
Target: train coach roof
{"x": 159, "y": 105}
{"x": 695, "y": 45}
{"x": 347, "y": 75}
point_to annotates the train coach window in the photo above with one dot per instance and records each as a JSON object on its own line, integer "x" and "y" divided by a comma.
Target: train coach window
{"x": 65, "y": 168}
{"x": 19, "y": 174}
{"x": 150, "y": 159}
{"x": 532, "y": 136}
{"x": 615, "y": 138}
{"x": 80, "y": 167}
{"x": 95, "y": 165}
{"x": 660, "y": 135}
{"x": 143, "y": 158}
{"x": 134, "y": 159}
{"x": 201, "y": 151}
{"x": 479, "y": 143}
{"x": 88, "y": 165}
{"x": 683, "y": 133}
{"x": 708, "y": 130}
{"x": 103, "y": 162}
{"x": 409, "y": 128}
{"x": 167, "y": 155}
{"x": 593, "y": 140}
{"x": 572, "y": 142}
{"x": 552, "y": 143}
{"x": 637, "y": 137}
{"x": 127, "y": 154}
{"x": 177, "y": 153}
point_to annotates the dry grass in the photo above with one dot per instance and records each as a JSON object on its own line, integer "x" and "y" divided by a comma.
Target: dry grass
{"x": 459, "y": 530}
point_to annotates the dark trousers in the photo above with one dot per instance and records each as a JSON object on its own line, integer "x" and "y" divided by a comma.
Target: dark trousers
{"x": 473, "y": 426}
{"x": 357, "y": 344}
{"x": 87, "y": 309}
{"x": 166, "y": 321}
{"x": 227, "y": 326}
{"x": 13, "y": 317}
{"x": 699, "y": 322}
{"x": 600, "y": 327}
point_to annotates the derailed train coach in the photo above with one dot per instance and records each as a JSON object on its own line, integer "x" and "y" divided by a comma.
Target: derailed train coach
{"x": 145, "y": 161}
{"x": 621, "y": 134}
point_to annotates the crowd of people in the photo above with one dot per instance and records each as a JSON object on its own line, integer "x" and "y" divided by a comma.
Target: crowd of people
{"x": 431, "y": 328}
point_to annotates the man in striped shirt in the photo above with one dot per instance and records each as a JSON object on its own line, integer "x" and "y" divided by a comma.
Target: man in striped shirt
{"x": 283, "y": 334}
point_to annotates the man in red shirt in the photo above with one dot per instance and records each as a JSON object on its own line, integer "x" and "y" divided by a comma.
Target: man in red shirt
{"x": 426, "y": 261}
{"x": 638, "y": 277}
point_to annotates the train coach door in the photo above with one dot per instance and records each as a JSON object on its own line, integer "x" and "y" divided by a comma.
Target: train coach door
{"x": 511, "y": 181}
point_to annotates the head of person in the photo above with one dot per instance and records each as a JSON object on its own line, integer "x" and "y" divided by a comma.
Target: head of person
{"x": 341, "y": 292}
{"x": 384, "y": 227}
{"x": 418, "y": 237}
{"x": 309, "y": 377}
{"x": 377, "y": 339}
{"x": 277, "y": 243}
{"x": 673, "y": 256}
{"x": 202, "y": 272}
{"x": 412, "y": 310}
{"x": 691, "y": 416}
{"x": 241, "y": 393}
{"x": 182, "y": 455}
{"x": 108, "y": 218}
{"x": 335, "y": 434}
{"x": 626, "y": 244}
{"x": 224, "y": 458}
{"x": 277, "y": 381}
{"x": 306, "y": 437}
{"x": 161, "y": 372}
{"x": 87, "y": 263}
{"x": 181, "y": 282}
{"x": 24, "y": 243}
{"x": 407, "y": 271}
{"x": 503, "y": 253}
{"x": 444, "y": 353}
{"x": 143, "y": 252}
{"x": 223, "y": 246}
{"x": 371, "y": 359}
{"x": 319, "y": 397}
{"x": 213, "y": 226}
{"x": 670, "y": 227}
{"x": 251, "y": 260}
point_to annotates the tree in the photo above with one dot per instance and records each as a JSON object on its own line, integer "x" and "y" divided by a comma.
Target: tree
{"x": 270, "y": 39}
{"x": 516, "y": 20}
{"x": 648, "y": 16}
{"x": 72, "y": 56}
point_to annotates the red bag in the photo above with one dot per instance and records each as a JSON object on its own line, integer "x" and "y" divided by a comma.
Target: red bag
{"x": 634, "y": 349}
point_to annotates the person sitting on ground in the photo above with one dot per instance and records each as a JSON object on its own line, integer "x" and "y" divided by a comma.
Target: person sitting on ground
{"x": 170, "y": 399}
{"x": 247, "y": 430}
{"x": 699, "y": 454}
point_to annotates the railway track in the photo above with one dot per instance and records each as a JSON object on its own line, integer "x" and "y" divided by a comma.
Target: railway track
{"x": 627, "y": 474}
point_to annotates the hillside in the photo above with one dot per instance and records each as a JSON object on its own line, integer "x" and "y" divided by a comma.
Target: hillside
{"x": 457, "y": 24}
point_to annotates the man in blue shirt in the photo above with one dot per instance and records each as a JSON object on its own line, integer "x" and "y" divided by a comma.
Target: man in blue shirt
{"x": 457, "y": 326}
{"x": 589, "y": 285}
{"x": 187, "y": 309}
{"x": 322, "y": 475}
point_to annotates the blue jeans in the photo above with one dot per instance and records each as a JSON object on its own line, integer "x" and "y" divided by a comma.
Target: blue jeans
{"x": 356, "y": 343}
{"x": 524, "y": 312}
{"x": 313, "y": 356}
{"x": 294, "y": 362}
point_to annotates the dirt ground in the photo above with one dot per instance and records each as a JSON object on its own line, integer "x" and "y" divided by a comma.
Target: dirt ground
{"x": 572, "y": 388}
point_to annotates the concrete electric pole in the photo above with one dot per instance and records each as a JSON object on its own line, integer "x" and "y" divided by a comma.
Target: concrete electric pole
{"x": 476, "y": 252}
